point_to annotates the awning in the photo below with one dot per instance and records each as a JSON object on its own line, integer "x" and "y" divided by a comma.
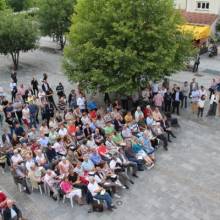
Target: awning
{"x": 199, "y": 32}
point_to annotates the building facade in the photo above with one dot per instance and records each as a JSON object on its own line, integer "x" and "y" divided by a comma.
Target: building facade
{"x": 199, "y": 6}
{"x": 200, "y": 12}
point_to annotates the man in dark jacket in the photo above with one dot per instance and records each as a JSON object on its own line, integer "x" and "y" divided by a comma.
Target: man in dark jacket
{"x": 177, "y": 97}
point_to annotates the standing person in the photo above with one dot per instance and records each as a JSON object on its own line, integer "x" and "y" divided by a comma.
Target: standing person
{"x": 34, "y": 84}
{"x": 21, "y": 91}
{"x": 212, "y": 87}
{"x": 50, "y": 98}
{"x": 14, "y": 77}
{"x": 185, "y": 92}
{"x": 167, "y": 101}
{"x": 177, "y": 97}
{"x": 193, "y": 85}
{"x": 81, "y": 102}
{"x": 17, "y": 105}
{"x": 107, "y": 100}
{"x": 158, "y": 100}
{"x": 45, "y": 77}
{"x": 201, "y": 104}
{"x": 194, "y": 99}
{"x": 196, "y": 64}
{"x": 202, "y": 91}
{"x": 213, "y": 105}
{"x": 60, "y": 90}
{"x": 155, "y": 88}
{"x": 13, "y": 88}
{"x": 26, "y": 115}
{"x": 72, "y": 99}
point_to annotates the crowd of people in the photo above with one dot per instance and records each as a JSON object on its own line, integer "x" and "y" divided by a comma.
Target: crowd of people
{"x": 176, "y": 98}
{"x": 77, "y": 150}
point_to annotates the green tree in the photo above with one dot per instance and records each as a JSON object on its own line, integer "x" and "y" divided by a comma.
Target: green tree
{"x": 114, "y": 45}
{"x": 55, "y": 18}
{"x": 17, "y": 5}
{"x": 2, "y": 5}
{"x": 17, "y": 33}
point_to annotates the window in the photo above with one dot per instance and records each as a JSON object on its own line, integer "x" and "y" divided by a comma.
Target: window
{"x": 202, "y": 5}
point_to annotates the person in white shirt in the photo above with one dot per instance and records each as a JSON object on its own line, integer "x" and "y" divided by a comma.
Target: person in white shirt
{"x": 26, "y": 115}
{"x": 213, "y": 105}
{"x": 50, "y": 179}
{"x": 195, "y": 95}
{"x": 202, "y": 92}
{"x": 99, "y": 193}
{"x": 62, "y": 131}
{"x": 16, "y": 158}
{"x": 81, "y": 102}
{"x": 201, "y": 105}
{"x": 139, "y": 115}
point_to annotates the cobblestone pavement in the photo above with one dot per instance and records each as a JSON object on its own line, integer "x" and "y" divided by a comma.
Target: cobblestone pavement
{"x": 184, "y": 185}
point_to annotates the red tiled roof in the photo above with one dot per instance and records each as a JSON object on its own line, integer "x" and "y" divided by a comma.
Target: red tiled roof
{"x": 199, "y": 18}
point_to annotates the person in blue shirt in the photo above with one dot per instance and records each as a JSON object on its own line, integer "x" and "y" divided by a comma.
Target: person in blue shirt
{"x": 87, "y": 164}
{"x": 95, "y": 157}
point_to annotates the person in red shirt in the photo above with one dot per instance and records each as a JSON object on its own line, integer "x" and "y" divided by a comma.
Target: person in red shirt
{"x": 104, "y": 152}
{"x": 71, "y": 128}
{"x": 3, "y": 200}
{"x": 147, "y": 111}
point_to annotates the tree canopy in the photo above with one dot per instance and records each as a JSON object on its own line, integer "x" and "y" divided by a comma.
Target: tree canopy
{"x": 17, "y": 33}
{"x": 115, "y": 44}
{"x": 55, "y": 18}
{"x": 2, "y": 5}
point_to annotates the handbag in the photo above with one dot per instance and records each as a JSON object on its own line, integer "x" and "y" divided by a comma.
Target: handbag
{"x": 97, "y": 206}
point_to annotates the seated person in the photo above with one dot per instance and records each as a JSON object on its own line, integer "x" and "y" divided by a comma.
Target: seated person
{"x": 118, "y": 123}
{"x": 109, "y": 129}
{"x": 131, "y": 156}
{"x": 149, "y": 120}
{"x": 91, "y": 142}
{"x": 117, "y": 139}
{"x": 59, "y": 147}
{"x": 146, "y": 145}
{"x": 51, "y": 153}
{"x": 157, "y": 115}
{"x": 64, "y": 166}
{"x": 126, "y": 132}
{"x": 79, "y": 134}
{"x": 62, "y": 130}
{"x": 104, "y": 152}
{"x": 139, "y": 116}
{"x": 85, "y": 119}
{"x": 128, "y": 117}
{"x": 160, "y": 134}
{"x": 51, "y": 179}
{"x": 99, "y": 193}
{"x": 35, "y": 175}
{"x": 87, "y": 164}
{"x": 167, "y": 128}
{"x": 98, "y": 137}
{"x": 19, "y": 175}
{"x": 71, "y": 192}
{"x": 95, "y": 157}
{"x": 40, "y": 159}
{"x": 87, "y": 131}
{"x": 16, "y": 158}
{"x": 71, "y": 128}
{"x": 147, "y": 111}
{"x": 141, "y": 154}
{"x": 153, "y": 139}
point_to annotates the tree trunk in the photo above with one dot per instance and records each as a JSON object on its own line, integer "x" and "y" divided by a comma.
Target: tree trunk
{"x": 15, "y": 59}
{"x": 62, "y": 42}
